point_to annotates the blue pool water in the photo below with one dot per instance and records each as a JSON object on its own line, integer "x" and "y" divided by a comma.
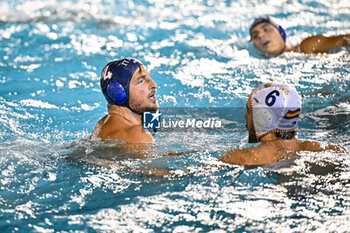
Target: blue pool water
{"x": 198, "y": 52}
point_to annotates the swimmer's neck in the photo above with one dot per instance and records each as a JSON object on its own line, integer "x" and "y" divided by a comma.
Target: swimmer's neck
{"x": 272, "y": 138}
{"x": 290, "y": 48}
{"x": 126, "y": 113}
{"x": 286, "y": 48}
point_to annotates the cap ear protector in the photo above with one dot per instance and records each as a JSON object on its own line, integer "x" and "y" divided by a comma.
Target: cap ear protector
{"x": 263, "y": 119}
{"x": 282, "y": 32}
{"x": 115, "y": 80}
{"x": 116, "y": 92}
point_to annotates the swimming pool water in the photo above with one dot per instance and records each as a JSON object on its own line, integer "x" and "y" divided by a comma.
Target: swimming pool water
{"x": 198, "y": 52}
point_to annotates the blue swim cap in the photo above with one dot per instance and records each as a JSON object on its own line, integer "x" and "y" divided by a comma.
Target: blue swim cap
{"x": 115, "y": 80}
{"x": 268, "y": 20}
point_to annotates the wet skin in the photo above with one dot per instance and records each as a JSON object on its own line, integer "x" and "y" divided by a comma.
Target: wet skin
{"x": 142, "y": 91}
{"x": 267, "y": 39}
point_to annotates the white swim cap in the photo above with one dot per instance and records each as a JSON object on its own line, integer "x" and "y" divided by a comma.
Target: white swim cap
{"x": 275, "y": 108}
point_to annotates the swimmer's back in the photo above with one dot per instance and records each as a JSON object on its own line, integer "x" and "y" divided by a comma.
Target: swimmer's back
{"x": 316, "y": 146}
{"x": 117, "y": 127}
{"x": 273, "y": 151}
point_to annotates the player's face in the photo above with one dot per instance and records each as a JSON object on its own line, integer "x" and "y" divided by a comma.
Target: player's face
{"x": 267, "y": 39}
{"x": 143, "y": 91}
{"x": 249, "y": 124}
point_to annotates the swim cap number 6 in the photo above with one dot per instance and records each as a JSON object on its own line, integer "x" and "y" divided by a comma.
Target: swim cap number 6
{"x": 271, "y": 99}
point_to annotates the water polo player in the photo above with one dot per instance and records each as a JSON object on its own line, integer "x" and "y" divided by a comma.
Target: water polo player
{"x": 270, "y": 39}
{"x": 272, "y": 116}
{"x": 129, "y": 91}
